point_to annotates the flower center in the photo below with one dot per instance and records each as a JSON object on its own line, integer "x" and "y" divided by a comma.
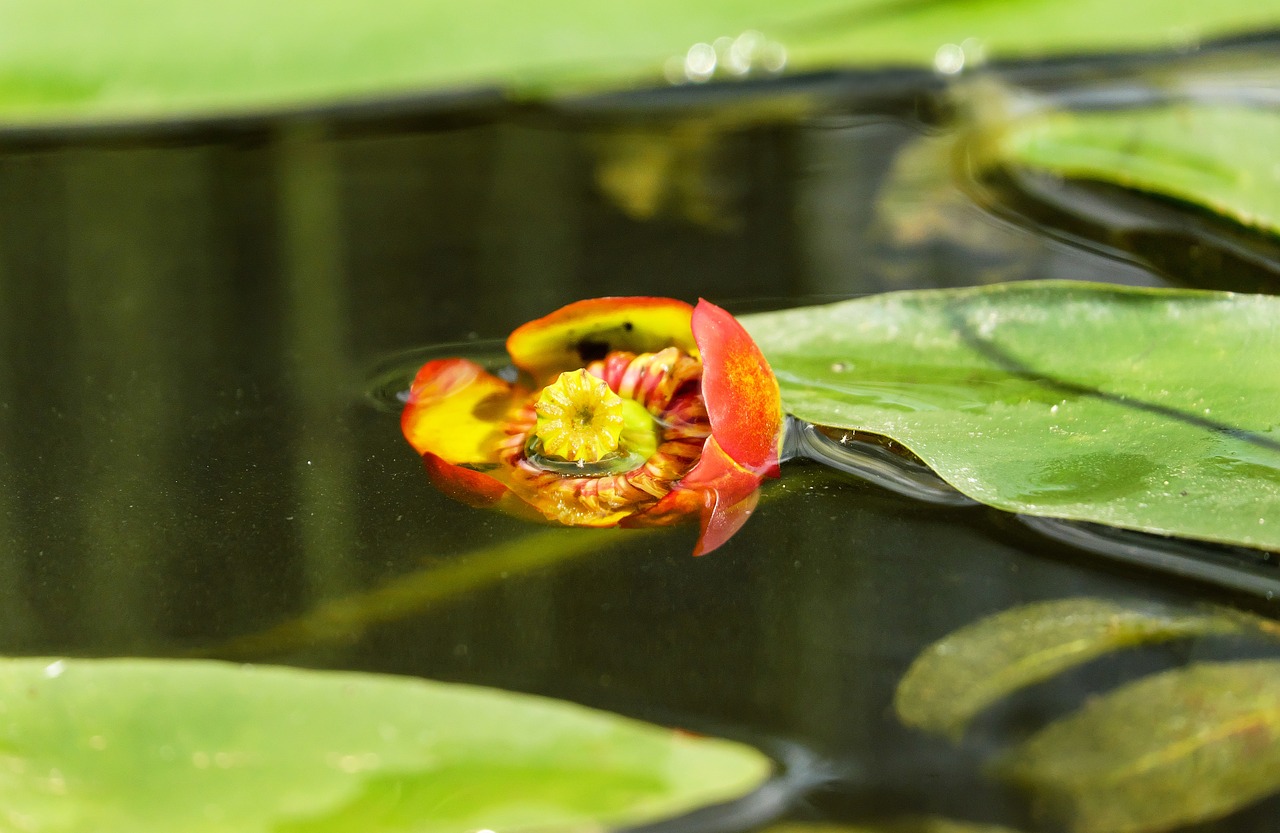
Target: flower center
{"x": 579, "y": 418}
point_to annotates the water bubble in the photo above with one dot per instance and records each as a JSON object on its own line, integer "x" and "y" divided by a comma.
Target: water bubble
{"x": 749, "y": 53}
{"x": 744, "y": 52}
{"x": 673, "y": 69}
{"x": 949, "y": 59}
{"x": 773, "y": 57}
{"x": 975, "y": 52}
{"x": 700, "y": 62}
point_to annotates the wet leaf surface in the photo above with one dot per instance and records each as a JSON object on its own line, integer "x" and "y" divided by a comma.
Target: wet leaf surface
{"x": 966, "y": 671}
{"x": 1153, "y": 410}
{"x": 1175, "y": 748}
{"x": 145, "y": 745}
{"x": 1217, "y": 157}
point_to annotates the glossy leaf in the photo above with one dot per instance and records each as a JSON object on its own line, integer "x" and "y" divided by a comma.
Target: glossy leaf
{"x": 145, "y": 745}
{"x": 1155, "y": 410}
{"x": 1168, "y": 750}
{"x": 79, "y": 60}
{"x": 1217, "y": 157}
{"x": 966, "y": 671}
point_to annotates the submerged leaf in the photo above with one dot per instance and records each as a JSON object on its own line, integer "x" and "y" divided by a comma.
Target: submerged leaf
{"x": 1155, "y": 410}
{"x": 1179, "y": 747}
{"x": 1220, "y": 157}
{"x": 152, "y": 745}
{"x": 966, "y": 671}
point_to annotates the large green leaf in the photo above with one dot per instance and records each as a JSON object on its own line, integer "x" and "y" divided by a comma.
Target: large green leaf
{"x": 1156, "y": 410}
{"x": 116, "y": 746}
{"x": 1174, "y": 748}
{"x": 1219, "y": 157}
{"x": 961, "y": 674}
{"x": 74, "y": 60}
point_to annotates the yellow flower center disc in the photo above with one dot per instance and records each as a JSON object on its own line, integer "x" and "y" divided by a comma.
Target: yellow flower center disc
{"x": 579, "y": 418}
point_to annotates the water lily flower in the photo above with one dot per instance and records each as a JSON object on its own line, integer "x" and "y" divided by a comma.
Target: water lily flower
{"x": 629, "y": 412}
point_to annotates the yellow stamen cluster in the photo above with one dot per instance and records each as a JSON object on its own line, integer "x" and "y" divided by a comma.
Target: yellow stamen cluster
{"x": 579, "y": 418}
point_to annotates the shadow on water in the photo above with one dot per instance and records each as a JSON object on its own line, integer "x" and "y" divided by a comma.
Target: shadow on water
{"x": 194, "y": 462}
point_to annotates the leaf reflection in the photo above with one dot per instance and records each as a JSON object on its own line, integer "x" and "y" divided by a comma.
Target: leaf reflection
{"x": 345, "y": 619}
{"x": 1181, "y": 746}
{"x": 966, "y": 671}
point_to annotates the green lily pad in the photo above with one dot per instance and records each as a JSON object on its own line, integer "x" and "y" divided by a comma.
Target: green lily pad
{"x": 1154, "y": 410}
{"x": 201, "y": 747}
{"x": 961, "y": 674}
{"x": 1171, "y": 749}
{"x": 1217, "y": 157}
{"x": 79, "y": 60}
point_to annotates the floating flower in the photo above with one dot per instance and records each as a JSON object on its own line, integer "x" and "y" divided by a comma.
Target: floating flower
{"x": 630, "y": 412}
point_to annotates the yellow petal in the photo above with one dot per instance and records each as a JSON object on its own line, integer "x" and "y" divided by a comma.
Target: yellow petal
{"x": 573, "y": 336}
{"x": 456, "y": 410}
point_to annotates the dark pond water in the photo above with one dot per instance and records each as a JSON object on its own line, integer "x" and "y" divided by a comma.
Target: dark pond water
{"x": 200, "y": 323}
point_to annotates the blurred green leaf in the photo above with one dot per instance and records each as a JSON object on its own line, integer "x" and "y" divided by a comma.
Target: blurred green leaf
{"x": 966, "y": 671}
{"x": 1172, "y": 749}
{"x": 129, "y": 746}
{"x": 1218, "y": 157}
{"x": 1155, "y": 410}
{"x": 79, "y": 60}
{"x": 929, "y": 824}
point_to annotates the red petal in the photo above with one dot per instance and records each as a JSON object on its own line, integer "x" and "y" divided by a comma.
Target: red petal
{"x": 581, "y": 332}
{"x": 468, "y": 486}
{"x": 720, "y": 490}
{"x": 739, "y": 389}
{"x": 723, "y": 520}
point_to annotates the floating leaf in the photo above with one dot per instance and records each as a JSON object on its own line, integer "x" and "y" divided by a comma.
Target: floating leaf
{"x": 81, "y": 60}
{"x": 1220, "y": 157}
{"x": 1155, "y": 410}
{"x": 1168, "y": 750}
{"x": 966, "y": 671}
{"x": 201, "y": 747}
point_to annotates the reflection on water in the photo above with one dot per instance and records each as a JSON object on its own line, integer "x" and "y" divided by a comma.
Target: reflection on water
{"x": 193, "y": 463}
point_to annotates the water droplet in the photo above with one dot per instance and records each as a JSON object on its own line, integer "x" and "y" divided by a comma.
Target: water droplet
{"x": 700, "y": 62}
{"x": 744, "y": 52}
{"x": 949, "y": 59}
{"x": 55, "y": 669}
